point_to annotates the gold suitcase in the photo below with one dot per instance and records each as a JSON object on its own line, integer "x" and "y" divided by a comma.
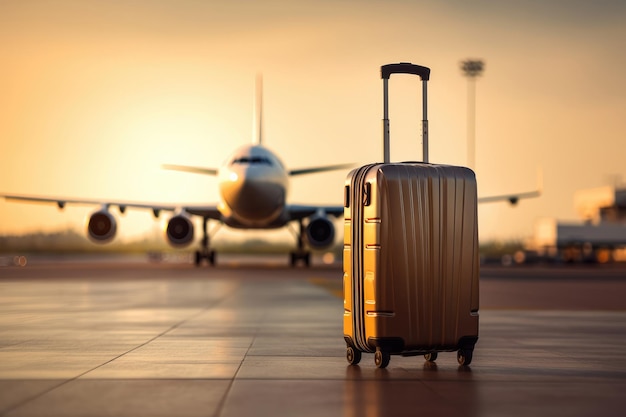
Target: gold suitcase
{"x": 411, "y": 262}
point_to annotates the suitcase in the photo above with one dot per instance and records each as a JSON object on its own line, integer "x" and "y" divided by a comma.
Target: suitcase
{"x": 410, "y": 260}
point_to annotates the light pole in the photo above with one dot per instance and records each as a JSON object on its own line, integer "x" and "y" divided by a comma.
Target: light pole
{"x": 472, "y": 68}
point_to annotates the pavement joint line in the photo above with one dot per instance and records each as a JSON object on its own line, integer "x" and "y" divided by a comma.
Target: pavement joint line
{"x": 67, "y": 381}
{"x": 222, "y": 402}
{"x": 173, "y": 327}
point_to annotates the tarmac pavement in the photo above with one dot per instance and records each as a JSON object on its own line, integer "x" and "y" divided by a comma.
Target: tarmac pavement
{"x": 139, "y": 339}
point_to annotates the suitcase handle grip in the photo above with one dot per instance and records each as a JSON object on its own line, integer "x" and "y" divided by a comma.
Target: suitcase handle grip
{"x": 405, "y": 68}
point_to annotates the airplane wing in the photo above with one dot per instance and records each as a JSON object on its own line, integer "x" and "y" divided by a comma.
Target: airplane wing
{"x": 312, "y": 170}
{"x": 514, "y": 198}
{"x": 511, "y": 198}
{"x": 209, "y": 211}
{"x": 298, "y": 212}
{"x": 213, "y": 171}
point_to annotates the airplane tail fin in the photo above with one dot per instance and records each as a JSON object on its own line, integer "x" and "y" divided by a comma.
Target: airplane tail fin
{"x": 257, "y": 132}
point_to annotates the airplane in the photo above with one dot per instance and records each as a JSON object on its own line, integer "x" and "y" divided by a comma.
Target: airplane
{"x": 253, "y": 184}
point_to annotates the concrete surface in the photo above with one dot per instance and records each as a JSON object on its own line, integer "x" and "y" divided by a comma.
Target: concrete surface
{"x": 174, "y": 340}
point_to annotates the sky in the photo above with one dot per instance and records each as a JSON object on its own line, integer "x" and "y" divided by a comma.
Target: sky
{"x": 96, "y": 95}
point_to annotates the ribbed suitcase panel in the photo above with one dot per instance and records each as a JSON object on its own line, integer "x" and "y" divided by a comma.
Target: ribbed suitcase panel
{"x": 420, "y": 255}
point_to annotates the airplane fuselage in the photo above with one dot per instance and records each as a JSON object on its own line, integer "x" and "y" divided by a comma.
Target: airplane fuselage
{"x": 253, "y": 185}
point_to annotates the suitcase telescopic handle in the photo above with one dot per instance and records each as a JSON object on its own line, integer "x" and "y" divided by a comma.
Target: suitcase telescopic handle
{"x": 404, "y": 68}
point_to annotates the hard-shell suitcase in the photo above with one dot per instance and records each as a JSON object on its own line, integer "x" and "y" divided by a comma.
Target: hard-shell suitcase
{"x": 410, "y": 260}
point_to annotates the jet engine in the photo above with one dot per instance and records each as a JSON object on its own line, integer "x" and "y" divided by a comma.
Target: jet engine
{"x": 320, "y": 232}
{"x": 101, "y": 226}
{"x": 179, "y": 230}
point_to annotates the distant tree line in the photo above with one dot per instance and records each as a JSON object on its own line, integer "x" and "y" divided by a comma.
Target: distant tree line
{"x": 68, "y": 241}
{"x": 71, "y": 241}
{"x": 63, "y": 241}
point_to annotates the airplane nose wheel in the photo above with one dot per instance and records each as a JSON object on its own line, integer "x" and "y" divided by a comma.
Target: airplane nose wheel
{"x": 303, "y": 256}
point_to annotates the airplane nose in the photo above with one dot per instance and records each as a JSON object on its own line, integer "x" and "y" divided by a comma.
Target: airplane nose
{"x": 253, "y": 195}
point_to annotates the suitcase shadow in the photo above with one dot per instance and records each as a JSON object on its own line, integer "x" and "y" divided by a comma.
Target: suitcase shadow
{"x": 400, "y": 391}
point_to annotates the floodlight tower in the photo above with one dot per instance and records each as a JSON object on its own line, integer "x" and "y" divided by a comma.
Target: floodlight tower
{"x": 472, "y": 68}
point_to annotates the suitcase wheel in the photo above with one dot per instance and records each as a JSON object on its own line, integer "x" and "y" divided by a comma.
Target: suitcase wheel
{"x": 381, "y": 358}
{"x": 353, "y": 355}
{"x": 464, "y": 356}
{"x": 431, "y": 357}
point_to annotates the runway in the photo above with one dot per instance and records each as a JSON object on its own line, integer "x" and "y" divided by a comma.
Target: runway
{"x": 260, "y": 339}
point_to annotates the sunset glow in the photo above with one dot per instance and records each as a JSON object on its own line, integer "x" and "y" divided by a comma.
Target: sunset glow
{"x": 97, "y": 95}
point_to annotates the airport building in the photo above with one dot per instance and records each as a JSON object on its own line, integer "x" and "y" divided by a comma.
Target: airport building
{"x": 600, "y": 236}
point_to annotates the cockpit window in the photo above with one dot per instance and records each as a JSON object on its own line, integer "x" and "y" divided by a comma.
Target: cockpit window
{"x": 252, "y": 160}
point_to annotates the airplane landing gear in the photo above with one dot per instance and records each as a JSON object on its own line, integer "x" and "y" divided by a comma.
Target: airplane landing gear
{"x": 301, "y": 254}
{"x": 205, "y": 252}
{"x": 209, "y": 255}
